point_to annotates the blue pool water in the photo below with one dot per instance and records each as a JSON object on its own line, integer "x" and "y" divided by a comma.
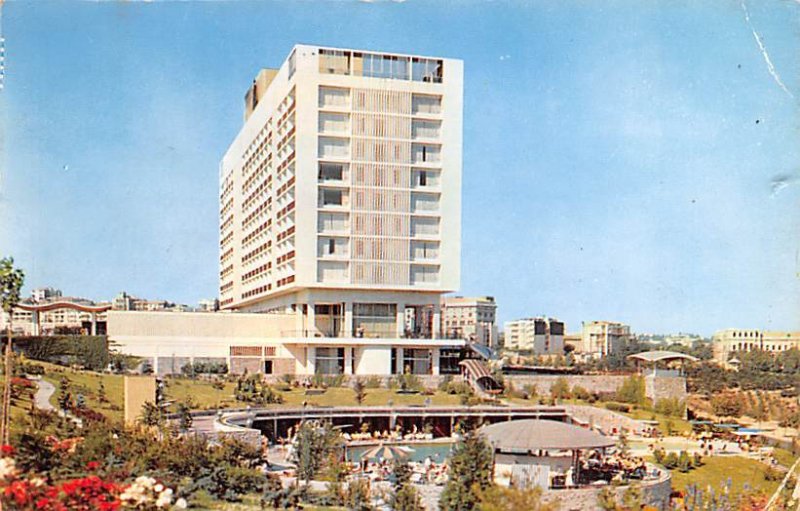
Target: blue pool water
{"x": 437, "y": 452}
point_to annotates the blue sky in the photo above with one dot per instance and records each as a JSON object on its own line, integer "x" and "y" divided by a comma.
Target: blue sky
{"x": 621, "y": 159}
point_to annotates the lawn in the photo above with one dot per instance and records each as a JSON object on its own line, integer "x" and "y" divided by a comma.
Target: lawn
{"x": 784, "y": 457}
{"x": 87, "y": 384}
{"x": 343, "y": 396}
{"x": 718, "y": 469}
{"x": 205, "y": 396}
{"x": 679, "y": 426}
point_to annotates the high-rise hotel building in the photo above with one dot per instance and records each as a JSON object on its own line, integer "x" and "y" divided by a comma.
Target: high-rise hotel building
{"x": 340, "y": 204}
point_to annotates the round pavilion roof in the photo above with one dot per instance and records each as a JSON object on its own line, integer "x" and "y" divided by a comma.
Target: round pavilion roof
{"x": 532, "y": 434}
{"x": 658, "y": 356}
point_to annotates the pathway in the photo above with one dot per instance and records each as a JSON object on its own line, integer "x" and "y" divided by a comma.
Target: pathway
{"x": 43, "y": 393}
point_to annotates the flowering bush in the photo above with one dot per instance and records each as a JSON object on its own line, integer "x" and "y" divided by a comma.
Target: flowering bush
{"x": 90, "y": 493}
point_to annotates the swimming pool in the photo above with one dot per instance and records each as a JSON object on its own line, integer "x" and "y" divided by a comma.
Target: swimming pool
{"x": 438, "y": 452}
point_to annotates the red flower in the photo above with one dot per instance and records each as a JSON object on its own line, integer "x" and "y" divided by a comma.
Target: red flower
{"x": 93, "y": 465}
{"x": 6, "y": 450}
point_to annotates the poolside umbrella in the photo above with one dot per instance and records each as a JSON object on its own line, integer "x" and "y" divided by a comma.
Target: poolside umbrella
{"x": 385, "y": 452}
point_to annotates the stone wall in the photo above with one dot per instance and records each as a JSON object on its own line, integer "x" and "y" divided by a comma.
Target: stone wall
{"x": 654, "y": 493}
{"x": 660, "y": 387}
{"x": 655, "y": 387}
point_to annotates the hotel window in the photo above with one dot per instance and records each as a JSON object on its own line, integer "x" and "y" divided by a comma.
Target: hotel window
{"x": 333, "y": 123}
{"x": 426, "y": 70}
{"x": 331, "y": 198}
{"x": 329, "y": 361}
{"x": 334, "y": 97}
{"x": 331, "y": 171}
{"x": 426, "y": 104}
{"x": 334, "y": 147}
{"x": 385, "y": 66}
{"x": 416, "y": 361}
{"x": 335, "y": 62}
{"x": 422, "y": 153}
{"x": 425, "y": 129}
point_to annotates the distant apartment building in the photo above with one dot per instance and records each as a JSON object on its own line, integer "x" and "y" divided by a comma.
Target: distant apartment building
{"x": 540, "y": 336}
{"x": 727, "y": 343}
{"x": 470, "y": 318}
{"x": 45, "y": 293}
{"x": 340, "y": 209}
{"x": 208, "y": 305}
{"x": 602, "y": 338}
{"x": 125, "y": 302}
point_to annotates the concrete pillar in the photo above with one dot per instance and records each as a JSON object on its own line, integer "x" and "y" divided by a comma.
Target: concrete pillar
{"x": 311, "y": 359}
{"x": 348, "y": 319}
{"x": 435, "y": 361}
{"x": 298, "y": 320}
{"x": 400, "y": 366}
{"x": 94, "y": 324}
{"x": 37, "y": 327}
{"x": 311, "y": 322}
{"x": 401, "y": 320}
{"x": 437, "y": 321}
{"x": 348, "y": 360}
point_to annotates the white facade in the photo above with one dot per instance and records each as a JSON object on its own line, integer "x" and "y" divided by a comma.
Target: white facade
{"x": 541, "y": 336}
{"x": 340, "y": 220}
{"x": 346, "y": 176}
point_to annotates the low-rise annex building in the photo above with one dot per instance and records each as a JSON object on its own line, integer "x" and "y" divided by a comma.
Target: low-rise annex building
{"x": 261, "y": 343}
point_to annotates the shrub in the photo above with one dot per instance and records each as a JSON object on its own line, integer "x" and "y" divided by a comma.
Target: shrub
{"x": 90, "y": 351}
{"x": 373, "y": 382}
{"x": 618, "y": 407}
{"x": 560, "y": 389}
{"x": 230, "y": 483}
{"x": 581, "y": 393}
{"x": 671, "y": 407}
{"x": 632, "y": 391}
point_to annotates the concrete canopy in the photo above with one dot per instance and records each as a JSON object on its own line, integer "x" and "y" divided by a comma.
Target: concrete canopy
{"x": 659, "y": 356}
{"x": 532, "y": 435}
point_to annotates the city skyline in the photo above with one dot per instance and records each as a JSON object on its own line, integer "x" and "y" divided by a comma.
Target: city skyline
{"x": 649, "y": 182}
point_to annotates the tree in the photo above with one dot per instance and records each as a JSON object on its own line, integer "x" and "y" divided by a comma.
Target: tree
{"x": 632, "y": 390}
{"x": 497, "y": 498}
{"x": 152, "y": 415}
{"x": 360, "y": 390}
{"x": 623, "y": 446}
{"x": 358, "y": 496}
{"x": 11, "y": 280}
{"x": 560, "y": 389}
{"x": 727, "y": 405}
{"x": 184, "y": 416}
{"x": 406, "y": 498}
{"x": 315, "y": 441}
{"x": 402, "y": 473}
{"x": 470, "y": 473}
